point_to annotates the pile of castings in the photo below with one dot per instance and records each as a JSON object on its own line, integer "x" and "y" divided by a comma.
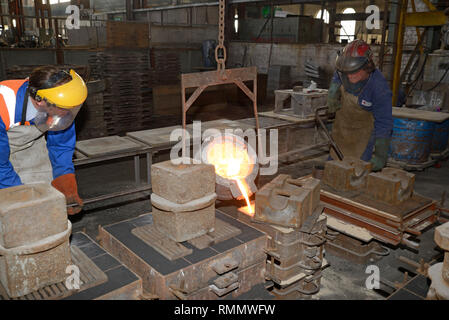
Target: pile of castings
{"x": 291, "y": 207}
{"x": 375, "y": 205}
{"x": 390, "y": 185}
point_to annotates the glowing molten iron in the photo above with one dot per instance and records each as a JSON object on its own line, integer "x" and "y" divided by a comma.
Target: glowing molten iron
{"x": 231, "y": 161}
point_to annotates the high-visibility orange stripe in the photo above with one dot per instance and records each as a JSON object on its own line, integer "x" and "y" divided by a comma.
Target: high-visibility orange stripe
{"x": 4, "y": 114}
{"x": 13, "y": 84}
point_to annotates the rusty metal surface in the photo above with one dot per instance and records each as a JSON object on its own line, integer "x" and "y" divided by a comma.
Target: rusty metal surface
{"x": 347, "y": 174}
{"x": 221, "y": 76}
{"x": 228, "y": 189}
{"x": 223, "y": 231}
{"x": 202, "y": 80}
{"x": 386, "y": 223}
{"x": 160, "y": 242}
{"x": 90, "y": 276}
{"x": 302, "y": 283}
{"x": 189, "y": 277}
{"x": 21, "y": 275}
{"x": 183, "y": 199}
{"x": 395, "y": 213}
{"x": 184, "y": 226}
{"x": 247, "y": 279}
{"x": 303, "y": 288}
{"x": 295, "y": 254}
{"x": 304, "y": 105}
{"x": 391, "y": 185}
{"x": 352, "y": 249}
{"x": 182, "y": 183}
{"x": 35, "y": 238}
{"x": 210, "y": 78}
{"x": 29, "y": 213}
{"x": 287, "y": 202}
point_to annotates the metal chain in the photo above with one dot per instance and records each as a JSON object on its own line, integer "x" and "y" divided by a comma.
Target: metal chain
{"x": 221, "y": 30}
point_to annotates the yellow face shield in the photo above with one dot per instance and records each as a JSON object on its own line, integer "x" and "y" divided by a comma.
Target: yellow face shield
{"x": 69, "y": 95}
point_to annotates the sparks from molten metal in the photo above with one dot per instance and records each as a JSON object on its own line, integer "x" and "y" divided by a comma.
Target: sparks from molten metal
{"x": 232, "y": 162}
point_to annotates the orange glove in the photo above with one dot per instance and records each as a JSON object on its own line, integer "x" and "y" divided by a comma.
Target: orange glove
{"x": 67, "y": 185}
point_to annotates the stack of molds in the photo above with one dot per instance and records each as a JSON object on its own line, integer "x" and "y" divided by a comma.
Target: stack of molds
{"x": 34, "y": 238}
{"x": 183, "y": 199}
{"x": 297, "y": 234}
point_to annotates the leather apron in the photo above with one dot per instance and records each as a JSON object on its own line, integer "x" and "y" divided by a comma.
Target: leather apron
{"x": 352, "y": 127}
{"x": 29, "y": 154}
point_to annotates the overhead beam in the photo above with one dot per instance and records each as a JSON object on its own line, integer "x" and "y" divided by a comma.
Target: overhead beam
{"x": 425, "y": 19}
{"x": 361, "y": 16}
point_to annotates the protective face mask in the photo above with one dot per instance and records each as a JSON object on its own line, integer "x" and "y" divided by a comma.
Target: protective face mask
{"x": 352, "y": 88}
{"x": 55, "y": 121}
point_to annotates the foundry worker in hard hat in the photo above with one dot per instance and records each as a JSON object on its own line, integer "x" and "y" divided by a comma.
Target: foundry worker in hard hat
{"x": 37, "y": 130}
{"x": 362, "y": 100}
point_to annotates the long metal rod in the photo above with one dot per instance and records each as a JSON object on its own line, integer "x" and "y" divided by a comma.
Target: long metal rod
{"x": 384, "y": 34}
{"x": 323, "y": 126}
{"x": 398, "y": 58}
{"x": 112, "y": 195}
{"x": 303, "y": 149}
{"x": 182, "y": 6}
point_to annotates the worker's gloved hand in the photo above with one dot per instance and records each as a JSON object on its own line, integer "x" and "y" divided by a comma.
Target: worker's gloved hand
{"x": 380, "y": 155}
{"x": 67, "y": 185}
{"x": 334, "y": 97}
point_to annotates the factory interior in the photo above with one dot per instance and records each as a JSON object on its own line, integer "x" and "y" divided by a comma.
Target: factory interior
{"x": 211, "y": 162}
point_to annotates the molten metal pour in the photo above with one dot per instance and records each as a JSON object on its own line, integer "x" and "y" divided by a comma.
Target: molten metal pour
{"x": 243, "y": 190}
{"x": 232, "y": 162}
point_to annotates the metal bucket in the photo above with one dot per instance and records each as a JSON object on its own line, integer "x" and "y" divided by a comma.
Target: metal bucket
{"x": 440, "y": 137}
{"x": 411, "y": 141}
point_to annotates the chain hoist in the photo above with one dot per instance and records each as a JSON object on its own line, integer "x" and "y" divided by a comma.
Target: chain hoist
{"x": 220, "y": 50}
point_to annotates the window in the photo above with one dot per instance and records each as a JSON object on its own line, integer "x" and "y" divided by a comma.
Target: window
{"x": 347, "y": 30}
{"x": 236, "y": 21}
{"x": 325, "y": 16}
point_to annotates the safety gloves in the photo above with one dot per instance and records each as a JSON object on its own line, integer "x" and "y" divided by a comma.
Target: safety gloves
{"x": 333, "y": 97}
{"x": 67, "y": 185}
{"x": 380, "y": 155}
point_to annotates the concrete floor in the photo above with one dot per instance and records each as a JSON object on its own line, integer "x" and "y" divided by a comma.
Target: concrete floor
{"x": 341, "y": 280}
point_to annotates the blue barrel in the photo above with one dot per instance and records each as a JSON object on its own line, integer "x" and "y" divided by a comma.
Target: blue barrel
{"x": 440, "y": 137}
{"x": 411, "y": 141}
{"x": 208, "y": 49}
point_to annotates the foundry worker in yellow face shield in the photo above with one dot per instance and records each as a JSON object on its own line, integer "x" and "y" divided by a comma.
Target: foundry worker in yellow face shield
{"x": 361, "y": 98}
{"x": 37, "y": 130}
